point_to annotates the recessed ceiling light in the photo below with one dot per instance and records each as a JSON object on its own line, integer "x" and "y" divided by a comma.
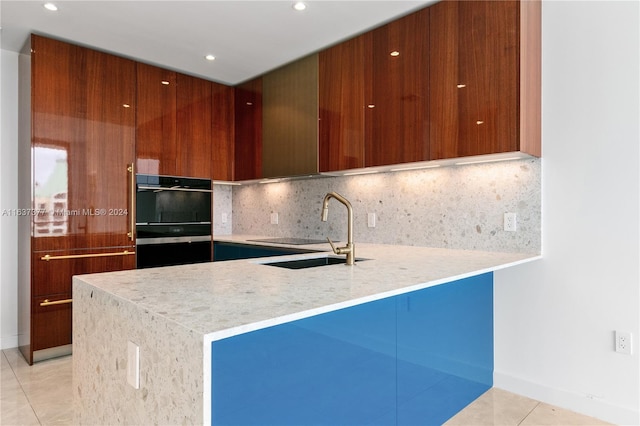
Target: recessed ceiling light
{"x": 299, "y": 6}
{"x": 165, "y": 82}
{"x": 210, "y": 57}
{"x": 395, "y": 53}
{"x": 50, "y": 6}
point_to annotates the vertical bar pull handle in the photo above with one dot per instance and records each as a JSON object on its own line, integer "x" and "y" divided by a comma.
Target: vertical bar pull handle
{"x": 132, "y": 202}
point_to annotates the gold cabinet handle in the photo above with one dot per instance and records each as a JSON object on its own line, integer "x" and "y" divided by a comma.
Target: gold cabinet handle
{"x": 48, "y": 257}
{"x": 132, "y": 202}
{"x": 47, "y": 302}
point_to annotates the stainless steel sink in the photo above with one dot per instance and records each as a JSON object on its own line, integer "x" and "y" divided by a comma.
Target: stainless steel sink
{"x": 309, "y": 263}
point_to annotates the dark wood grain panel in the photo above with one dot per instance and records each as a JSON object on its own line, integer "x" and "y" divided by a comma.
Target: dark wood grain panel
{"x": 397, "y": 99}
{"x": 50, "y": 325}
{"x": 248, "y": 130}
{"x": 223, "y": 131}
{"x": 156, "y": 149}
{"x": 478, "y": 44}
{"x": 83, "y": 109}
{"x": 194, "y": 109}
{"x": 54, "y": 276}
{"x": 341, "y": 110}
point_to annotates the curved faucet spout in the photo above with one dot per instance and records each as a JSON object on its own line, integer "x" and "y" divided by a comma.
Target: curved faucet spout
{"x": 349, "y": 249}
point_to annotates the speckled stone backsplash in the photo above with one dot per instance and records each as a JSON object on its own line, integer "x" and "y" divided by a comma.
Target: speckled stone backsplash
{"x": 458, "y": 207}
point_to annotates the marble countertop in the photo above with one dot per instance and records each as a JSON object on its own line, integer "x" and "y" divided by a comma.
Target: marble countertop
{"x": 222, "y": 299}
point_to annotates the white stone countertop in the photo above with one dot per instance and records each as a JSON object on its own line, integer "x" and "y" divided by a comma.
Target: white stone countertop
{"x": 222, "y": 299}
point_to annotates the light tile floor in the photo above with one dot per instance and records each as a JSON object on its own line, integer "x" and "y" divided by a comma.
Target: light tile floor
{"x": 42, "y": 395}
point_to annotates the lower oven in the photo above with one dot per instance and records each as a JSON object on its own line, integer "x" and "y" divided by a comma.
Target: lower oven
{"x": 152, "y": 252}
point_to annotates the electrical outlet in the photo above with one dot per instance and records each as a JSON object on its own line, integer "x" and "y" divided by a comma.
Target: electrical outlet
{"x": 274, "y": 218}
{"x": 510, "y": 222}
{"x": 133, "y": 365}
{"x": 224, "y": 218}
{"x": 623, "y": 342}
{"x": 371, "y": 220}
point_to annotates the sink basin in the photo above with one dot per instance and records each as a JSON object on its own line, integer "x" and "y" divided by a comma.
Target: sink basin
{"x": 309, "y": 263}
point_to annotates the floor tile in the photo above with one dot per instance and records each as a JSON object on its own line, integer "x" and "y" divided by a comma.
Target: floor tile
{"x": 15, "y": 408}
{"x": 46, "y": 385}
{"x": 548, "y": 415}
{"x": 494, "y": 407}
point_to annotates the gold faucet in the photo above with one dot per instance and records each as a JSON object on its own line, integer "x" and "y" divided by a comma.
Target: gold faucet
{"x": 350, "y": 249}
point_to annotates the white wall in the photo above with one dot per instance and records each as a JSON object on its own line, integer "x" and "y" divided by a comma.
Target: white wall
{"x": 555, "y": 318}
{"x": 8, "y": 199}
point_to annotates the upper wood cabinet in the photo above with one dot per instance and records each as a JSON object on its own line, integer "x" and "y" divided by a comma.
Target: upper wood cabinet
{"x": 194, "y": 127}
{"x": 290, "y": 119}
{"x": 248, "y": 130}
{"x": 374, "y": 93}
{"x": 341, "y": 105}
{"x": 156, "y": 149}
{"x": 83, "y": 133}
{"x": 484, "y": 78}
{"x": 397, "y": 93}
{"x": 222, "y": 131}
{"x": 174, "y": 127}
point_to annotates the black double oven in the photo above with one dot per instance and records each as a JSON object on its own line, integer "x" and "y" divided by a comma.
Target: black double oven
{"x": 173, "y": 220}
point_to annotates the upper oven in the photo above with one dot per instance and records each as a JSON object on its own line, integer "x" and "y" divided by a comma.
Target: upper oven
{"x": 170, "y": 207}
{"x": 173, "y": 220}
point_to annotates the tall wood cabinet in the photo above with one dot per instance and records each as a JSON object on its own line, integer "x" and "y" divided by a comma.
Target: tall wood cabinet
{"x": 374, "y": 93}
{"x": 173, "y": 126}
{"x": 484, "y": 78}
{"x": 76, "y": 152}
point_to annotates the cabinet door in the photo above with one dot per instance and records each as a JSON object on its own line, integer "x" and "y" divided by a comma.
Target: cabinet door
{"x": 156, "y": 150}
{"x": 248, "y": 130}
{"x": 397, "y": 98}
{"x": 341, "y": 97}
{"x": 223, "y": 131}
{"x": 83, "y": 117}
{"x": 193, "y": 126}
{"x": 474, "y": 78}
{"x": 290, "y": 119}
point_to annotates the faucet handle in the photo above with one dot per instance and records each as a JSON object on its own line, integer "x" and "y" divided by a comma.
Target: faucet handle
{"x": 333, "y": 247}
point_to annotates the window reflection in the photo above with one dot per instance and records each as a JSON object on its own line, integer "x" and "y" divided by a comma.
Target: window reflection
{"x": 51, "y": 181}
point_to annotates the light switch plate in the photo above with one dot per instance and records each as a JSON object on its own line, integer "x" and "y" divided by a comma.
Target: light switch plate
{"x": 133, "y": 365}
{"x": 274, "y": 218}
{"x": 371, "y": 220}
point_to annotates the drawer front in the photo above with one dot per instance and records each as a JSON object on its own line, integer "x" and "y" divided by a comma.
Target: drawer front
{"x": 52, "y": 272}
{"x": 51, "y": 321}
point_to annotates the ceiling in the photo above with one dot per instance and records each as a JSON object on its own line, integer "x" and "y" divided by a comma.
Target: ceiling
{"x": 248, "y": 38}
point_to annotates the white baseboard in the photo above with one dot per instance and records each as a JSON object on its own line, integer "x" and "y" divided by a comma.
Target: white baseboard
{"x": 589, "y": 405}
{"x": 8, "y": 342}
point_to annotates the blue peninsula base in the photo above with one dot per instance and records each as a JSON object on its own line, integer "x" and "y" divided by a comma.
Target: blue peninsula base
{"x": 413, "y": 359}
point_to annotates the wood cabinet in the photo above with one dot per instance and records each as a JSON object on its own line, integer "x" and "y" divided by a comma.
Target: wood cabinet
{"x": 484, "y": 78}
{"x": 290, "y": 119}
{"x": 248, "y": 130}
{"x": 76, "y": 149}
{"x": 173, "y": 126}
{"x": 223, "y": 131}
{"x": 397, "y": 95}
{"x": 341, "y": 97}
{"x": 51, "y": 295}
{"x": 374, "y": 97}
{"x": 156, "y": 149}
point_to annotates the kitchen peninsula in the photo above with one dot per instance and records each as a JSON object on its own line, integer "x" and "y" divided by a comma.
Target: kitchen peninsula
{"x": 177, "y": 315}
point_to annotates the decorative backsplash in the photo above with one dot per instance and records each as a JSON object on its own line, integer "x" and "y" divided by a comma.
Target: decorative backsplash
{"x": 457, "y": 207}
